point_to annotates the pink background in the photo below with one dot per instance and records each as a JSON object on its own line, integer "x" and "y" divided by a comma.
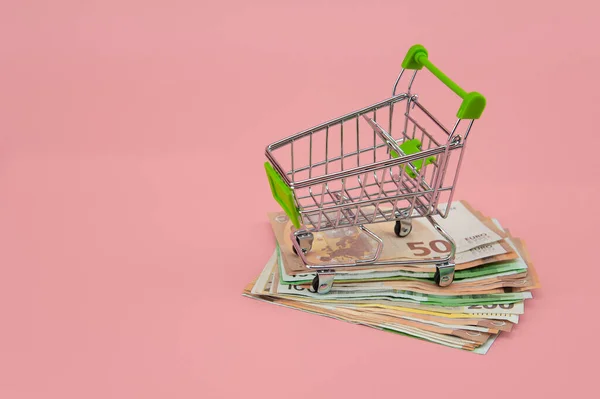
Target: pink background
{"x": 133, "y": 200}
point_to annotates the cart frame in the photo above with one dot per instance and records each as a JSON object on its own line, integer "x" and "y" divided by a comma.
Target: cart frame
{"x": 387, "y": 180}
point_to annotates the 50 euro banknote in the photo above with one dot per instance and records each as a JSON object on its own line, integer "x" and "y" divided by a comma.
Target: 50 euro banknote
{"x": 524, "y": 279}
{"x": 478, "y": 242}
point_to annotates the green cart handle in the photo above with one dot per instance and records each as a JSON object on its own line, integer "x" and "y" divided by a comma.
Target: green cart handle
{"x": 473, "y": 103}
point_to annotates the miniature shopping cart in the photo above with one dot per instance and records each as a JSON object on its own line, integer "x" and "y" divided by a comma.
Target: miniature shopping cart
{"x": 352, "y": 171}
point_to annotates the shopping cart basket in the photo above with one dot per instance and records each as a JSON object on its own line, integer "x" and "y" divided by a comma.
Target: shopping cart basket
{"x": 351, "y": 171}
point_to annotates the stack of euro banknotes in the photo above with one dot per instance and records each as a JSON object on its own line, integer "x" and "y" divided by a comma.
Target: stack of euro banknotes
{"x": 494, "y": 278}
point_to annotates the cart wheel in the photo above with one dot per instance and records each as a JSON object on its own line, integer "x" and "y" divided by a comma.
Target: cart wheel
{"x": 315, "y": 283}
{"x": 436, "y": 276}
{"x": 304, "y": 241}
{"x": 323, "y": 282}
{"x": 444, "y": 274}
{"x": 402, "y": 228}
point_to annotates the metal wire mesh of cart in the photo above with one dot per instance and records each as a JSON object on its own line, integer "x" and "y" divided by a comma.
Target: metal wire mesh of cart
{"x": 351, "y": 171}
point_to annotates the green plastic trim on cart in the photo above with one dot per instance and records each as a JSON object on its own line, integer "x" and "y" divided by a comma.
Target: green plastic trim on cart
{"x": 412, "y": 147}
{"x": 473, "y": 103}
{"x": 283, "y": 194}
